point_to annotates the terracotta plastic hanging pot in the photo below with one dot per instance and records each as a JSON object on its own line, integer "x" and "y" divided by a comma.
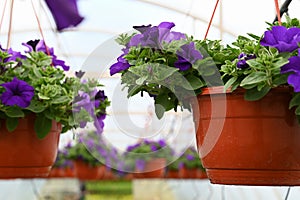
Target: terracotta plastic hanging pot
{"x": 258, "y": 142}
{"x": 193, "y": 173}
{"x": 174, "y": 174}
{"x": 23, "y": 155}
{"x": 62, "y": 172}
{"x": 154, "y": 168}
{"x": 84, "y": 171}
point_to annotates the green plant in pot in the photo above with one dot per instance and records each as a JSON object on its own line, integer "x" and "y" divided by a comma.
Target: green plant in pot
{"x": 93, "y": 156}
{"x": 40, "y": 99}
{"x": 192, "y": 164}
{"x": 62, "y": 167}
{"x": 185, "y": 162}
{"x": 147, "y": 158}
{"x": 249, "y": 88}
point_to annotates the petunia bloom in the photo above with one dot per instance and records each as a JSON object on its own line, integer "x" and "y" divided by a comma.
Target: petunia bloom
{"x": 242, "y": 58}
{"x": 153, "y": 147}
{"x": 187, "y": 56}
{"x": 162, "y": 143}
{"x": 132, "y": 147}
{"x": 294, "y": 67}
{"x": 99, "y": 122}
{"x": 65, "y": 13}
{"x": 13, "y": 55}
{"x": 190, "y": 157}
{"x": 282, "y": 38}
{"x": 18, "y": 93}
{"x": 39, "y": 45}
{"x": 140, "y": 164}
{"x": 119, "y": 66}
{"x": 153, "y": 36}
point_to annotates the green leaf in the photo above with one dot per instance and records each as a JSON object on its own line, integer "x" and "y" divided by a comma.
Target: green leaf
{"x": 14, "y": 112}
{"x": 254, "y": 64}
{"x": 297, "y": 111}
{"x": 42, "y": 126}
{"x": 59, "y": 100}
{"x": 133, "y": 90}
{"x": 230, "y": 82}
{"x": 192, "y": 82}
{"x": 295, "y": 101}
{"x": 165, "y": 101}
{"x": 141, "y": 80}
{"x": 280, "y": 79}
{"x": 37, "y": 72}
{"x": 205, "y": 67}
{"x": 36, "y": 107}
{"x": 253, "y": 94}
{"x": 254, "y": 78}
{"x": 41, "y": 96}
{"x": 280, "y": 63}
{"x": 159, "y": 111}
{"x": 11, "y": 123}
{"x": 164, "y": 72}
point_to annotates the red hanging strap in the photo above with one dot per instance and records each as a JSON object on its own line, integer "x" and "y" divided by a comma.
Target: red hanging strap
{"x": 209, "y": 24}
{"x": 40, "y": 27}
{"x": 2, "y": 16}
{"x": 277, "y": 11}
{"x": 10, "y": 24}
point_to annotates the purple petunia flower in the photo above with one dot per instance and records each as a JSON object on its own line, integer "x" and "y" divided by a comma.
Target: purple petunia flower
{"x": 153, "y": 147}
{"x": 99, "y": 123}
{"x": 100, "y": 95}
{"x": 162, "y": 143}
{"x": 140, "y": 164}
{"x": 90, "y": 143}
{"x": 242, "y": 58}
{"x": 18, "y": 93}
{"x": 282, "y": 38}
{"x": 153, "y": 36}
{"x": 83, "y": 101}
{"x": 294, "y": 67}
{"x": 132, "y": 147}
{"x": 101, "y": 151}
{"x": 121, "y": 65}
{"x": 180, "y": 165}
{"x": 39, "y": 45}
{"x": 187, "y": 56}
{"x": 13, "y": 55}
{"x": 65, "y": 13}
{"x": 79, "y": 74}
{"x": 190, "y": 157}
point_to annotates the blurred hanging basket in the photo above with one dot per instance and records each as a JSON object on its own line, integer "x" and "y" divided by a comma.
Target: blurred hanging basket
{"x": 84, "y": 171}
{"x": 154, "y": 168}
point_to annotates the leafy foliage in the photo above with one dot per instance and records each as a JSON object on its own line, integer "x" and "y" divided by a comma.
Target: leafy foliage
{"x": 36, "y": 83}
{"x": 171, "y": 67}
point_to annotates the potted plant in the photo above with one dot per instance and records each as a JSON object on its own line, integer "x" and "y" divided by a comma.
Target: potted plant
{"x": 87, "y": 167}
{"x": 38, "y": 101}
{"x": 186, "y": 165}
{"x": 192, "y": 166}
{"x": 175, "y": 168}
{"x": 62, "y": 167}
{"x": 147, "y": 158}
{"x": 244, "y": 96}
{"x": 93, "y": 157}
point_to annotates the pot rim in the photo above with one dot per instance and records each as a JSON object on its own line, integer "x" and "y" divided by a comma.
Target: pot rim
{"x": 220, "y": 90}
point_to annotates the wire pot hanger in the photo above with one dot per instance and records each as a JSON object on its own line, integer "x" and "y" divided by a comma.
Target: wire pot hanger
{"x": 284, "y": 9}
{"x": 279, "y": 13}
{"x": 11, "y": 21}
